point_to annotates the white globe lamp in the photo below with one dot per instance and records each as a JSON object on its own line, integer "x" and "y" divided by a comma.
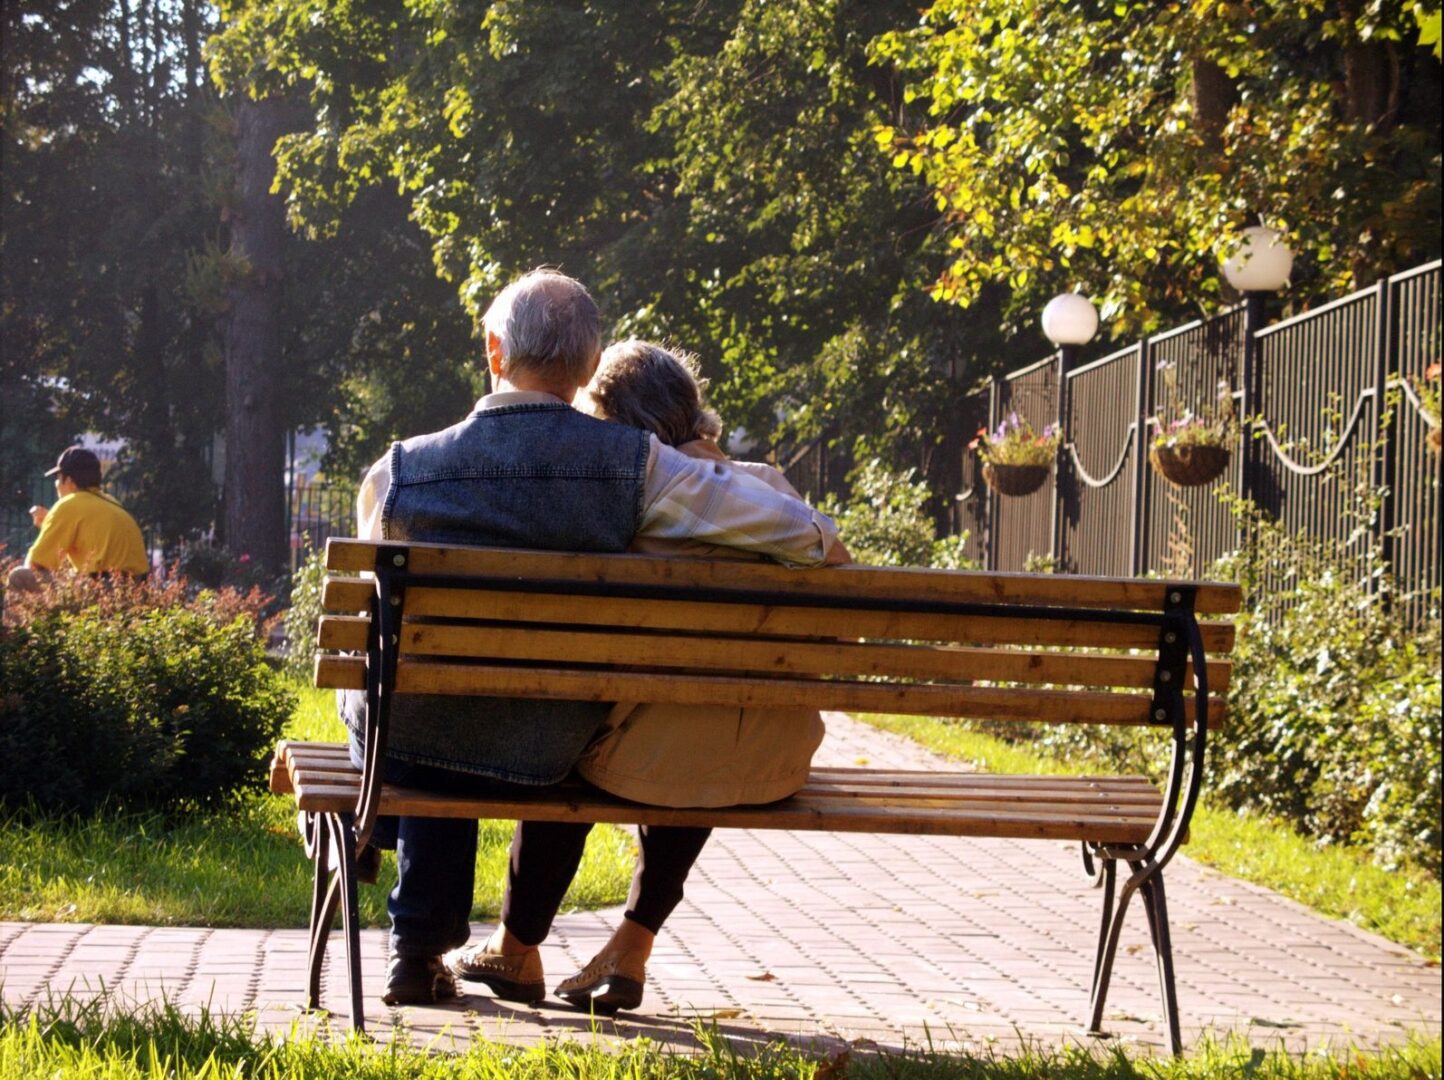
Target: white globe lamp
{"x": 1259, "y": 261}
{"x": 1070, "y": 319}
{"x": 740, "y": 441}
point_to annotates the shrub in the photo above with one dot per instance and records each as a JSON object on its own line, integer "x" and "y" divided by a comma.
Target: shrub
{"x": 1334, "y": 705}
{"x": 123, "y": 597}
{"x": 139, "y": 705}
{"x": 305, "y": 610}
{"x": 887, "y": 522}
{"x": 1335, "y": 700}
{"x": 202, "y": 566}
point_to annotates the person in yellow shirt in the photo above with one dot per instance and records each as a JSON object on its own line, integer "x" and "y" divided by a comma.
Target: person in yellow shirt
{"x": 86, "y": 528}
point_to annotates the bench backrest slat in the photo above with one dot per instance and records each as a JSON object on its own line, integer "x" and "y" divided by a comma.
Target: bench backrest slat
{"x": 986, "y": 702}
{"x": 353, "y": 594}
{"x": 758, "y": 655}
{"x": 858, "y": 582}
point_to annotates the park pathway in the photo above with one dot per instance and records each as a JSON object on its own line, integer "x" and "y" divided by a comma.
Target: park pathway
{"x": 839, "y": 939}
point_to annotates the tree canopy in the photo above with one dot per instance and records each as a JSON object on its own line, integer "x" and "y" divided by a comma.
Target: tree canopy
{"x": 1118, "y": 148}
{"x": 710, "y": 171}
{"x": 850, "y": 211}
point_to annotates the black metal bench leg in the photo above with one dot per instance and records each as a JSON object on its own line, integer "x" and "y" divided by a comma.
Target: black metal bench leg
{"x": 1107, "y": 951}
{"x": 1107, "y": 880}
{"x": 323, "y": 913}
{"x": 350, "y": 916}
{"x": 1156, "y": 905}
{"x": 325, "y": 891}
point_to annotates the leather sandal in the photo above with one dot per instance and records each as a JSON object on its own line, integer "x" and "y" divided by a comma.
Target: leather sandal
{"x": 511, "y": 978}
{"x": 418, "y": 980}
{"x": 611, "y": 981}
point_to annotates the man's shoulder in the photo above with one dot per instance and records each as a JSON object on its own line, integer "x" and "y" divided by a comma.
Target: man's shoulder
{"x": 102, "y": 505}
{"x": 74, "y": 504}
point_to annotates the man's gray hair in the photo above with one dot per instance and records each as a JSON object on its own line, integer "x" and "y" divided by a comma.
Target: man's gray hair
{"x": 653, "y": 388}
{"x": 548, "y": 324}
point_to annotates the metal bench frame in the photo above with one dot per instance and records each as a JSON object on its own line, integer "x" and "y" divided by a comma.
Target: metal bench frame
{"x": 332, "y": 840}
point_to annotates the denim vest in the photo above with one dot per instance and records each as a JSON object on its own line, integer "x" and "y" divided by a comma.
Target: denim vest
{"x": 526, "y": 476}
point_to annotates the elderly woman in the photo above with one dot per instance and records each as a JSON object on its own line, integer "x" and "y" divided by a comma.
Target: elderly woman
{"x": 662, "y": 755}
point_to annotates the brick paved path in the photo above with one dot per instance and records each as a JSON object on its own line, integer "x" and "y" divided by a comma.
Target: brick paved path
{"x": 836, "y": 938}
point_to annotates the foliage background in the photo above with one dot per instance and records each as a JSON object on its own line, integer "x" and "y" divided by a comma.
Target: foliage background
{"x": 852, "y": 212}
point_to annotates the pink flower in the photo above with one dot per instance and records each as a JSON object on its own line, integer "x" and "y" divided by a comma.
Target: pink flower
{"x": 244, "y": 559}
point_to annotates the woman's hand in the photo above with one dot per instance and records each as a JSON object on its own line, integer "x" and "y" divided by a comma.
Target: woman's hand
{"x": 837, "y": 555}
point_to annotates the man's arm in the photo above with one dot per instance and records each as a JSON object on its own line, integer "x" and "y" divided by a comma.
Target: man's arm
{"x": 57, "y": 537}
{"x": 714, "y": 502}
{"x": 371, "y": 497}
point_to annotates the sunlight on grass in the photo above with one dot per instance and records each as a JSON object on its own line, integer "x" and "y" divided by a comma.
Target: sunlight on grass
{"x": 238, "y": 866}
{"x": 1401, "y": 905}
{"x": 69, "y": 1038}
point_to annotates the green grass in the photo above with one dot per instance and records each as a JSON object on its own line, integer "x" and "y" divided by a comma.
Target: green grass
{"x": 238, "y": 866}
{"x": 1401, "y": 905}
{"x": 160, "y": 1043}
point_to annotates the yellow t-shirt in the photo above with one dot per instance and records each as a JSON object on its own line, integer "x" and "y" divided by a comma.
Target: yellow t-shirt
{"x": 94, "y": 532}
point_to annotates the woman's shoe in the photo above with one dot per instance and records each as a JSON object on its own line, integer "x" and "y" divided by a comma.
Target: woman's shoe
{"x": 511, "y": 978}
{"x": 611, "y": 981}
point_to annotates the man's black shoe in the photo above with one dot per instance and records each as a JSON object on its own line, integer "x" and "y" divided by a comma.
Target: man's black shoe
{"x": 368, "y": 865}
{"x": 418, "y": 980}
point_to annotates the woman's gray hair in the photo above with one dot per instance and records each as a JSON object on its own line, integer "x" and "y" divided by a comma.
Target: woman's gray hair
{"x": 653, "y": 388}
{"x": 547, "y": 324}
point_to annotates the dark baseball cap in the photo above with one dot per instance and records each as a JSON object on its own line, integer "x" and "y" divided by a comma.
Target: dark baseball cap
{"x": 80, "y": 464}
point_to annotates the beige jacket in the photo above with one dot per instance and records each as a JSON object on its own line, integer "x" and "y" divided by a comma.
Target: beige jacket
{"x": 676, "y": 755}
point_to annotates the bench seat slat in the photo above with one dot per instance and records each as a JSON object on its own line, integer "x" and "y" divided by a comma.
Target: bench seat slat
{"x": 911, "y": 777}
{"x": 301, "y": 774}
{"x": 1060, "y": 803}
{"x": 947, "y": 796}
{"x": 332, "y": 752}
{"x": 350, "y": 595}
{"x": 795, "y": 813}
{"x": 760, "y": 655}
{"x": 352, "y": 556}
{"x": 1108, "y": 809}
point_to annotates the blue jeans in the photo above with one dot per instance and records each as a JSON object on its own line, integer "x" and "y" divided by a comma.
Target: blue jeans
{"x": 430, "y": 907}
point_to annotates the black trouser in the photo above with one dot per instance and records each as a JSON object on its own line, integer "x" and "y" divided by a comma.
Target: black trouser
{"x": 544, "y": 859}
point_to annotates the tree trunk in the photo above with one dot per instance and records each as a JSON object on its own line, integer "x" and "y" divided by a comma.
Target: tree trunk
{"x": 1371, "y": 75}
{"x": 1213, "y": 95}
{"x": 254, "y": 489}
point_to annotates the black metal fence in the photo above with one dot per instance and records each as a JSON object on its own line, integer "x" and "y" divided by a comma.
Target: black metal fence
{"x": 315, "y": 512}
{"x": 1313, "y": 393}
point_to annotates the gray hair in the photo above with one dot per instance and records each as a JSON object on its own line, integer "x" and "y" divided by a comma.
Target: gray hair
{"x": 548, "y": 324}
{"x": 653, "y": 388}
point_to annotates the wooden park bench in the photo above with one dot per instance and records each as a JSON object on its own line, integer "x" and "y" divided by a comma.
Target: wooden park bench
{"x": 484, "y": 621}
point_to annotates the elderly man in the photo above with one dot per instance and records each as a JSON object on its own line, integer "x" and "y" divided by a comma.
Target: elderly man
{"x": 527, "y": 470}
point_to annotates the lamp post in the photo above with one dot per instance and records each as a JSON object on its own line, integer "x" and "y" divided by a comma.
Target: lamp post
{"x": 1257, "y": 264}
{"x": 1069, "y": 321}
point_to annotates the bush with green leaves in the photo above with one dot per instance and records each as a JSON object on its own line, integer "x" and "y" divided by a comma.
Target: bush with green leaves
{"x": 1335, "y": 699}
{"x": 142, "y": 707}
{"x": 887, "y": 523}
{"x": 1334, "y": 703}
{"x": 302, "y": 616}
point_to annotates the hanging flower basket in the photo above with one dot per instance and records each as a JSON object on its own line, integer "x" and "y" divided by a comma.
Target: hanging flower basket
{"x": 1015, "y": 479}
{"x": 1190, "y": 465}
